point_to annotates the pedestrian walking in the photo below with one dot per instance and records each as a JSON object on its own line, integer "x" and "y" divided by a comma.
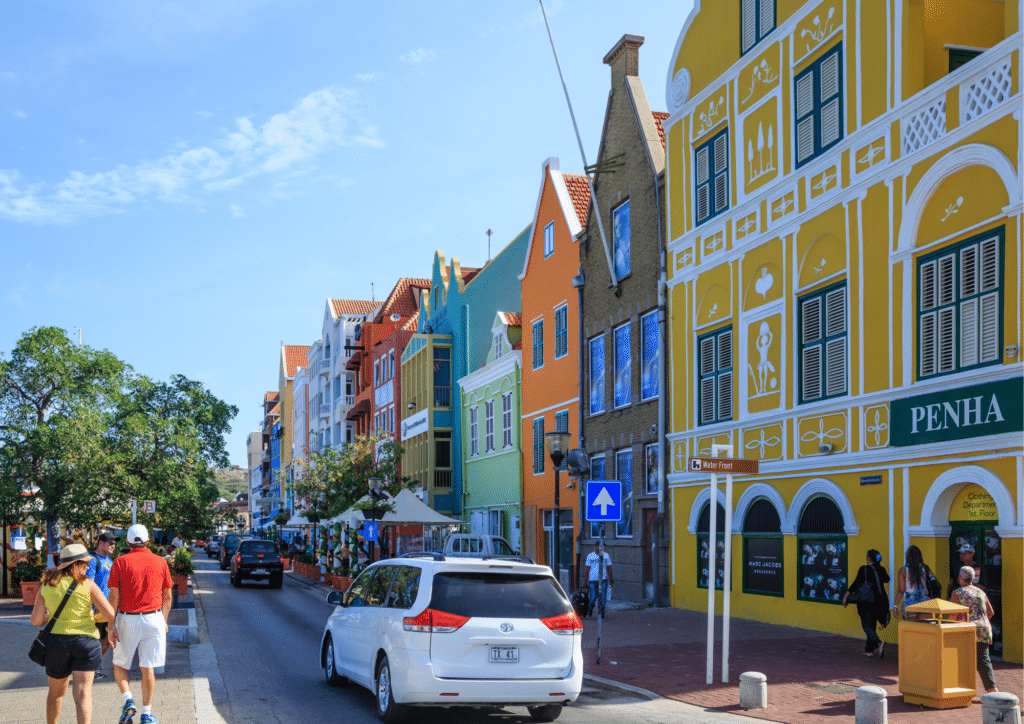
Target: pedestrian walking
{"x": 912, "y": 582}
{"x": 868, "y": 591}
{"x": 979, "y": 611}
{"x": 140, "y": 591}
{"x": 73, "y": 649}
{"x": 99, "y": 572}
{"x": 597, "y": 580}
{"x": 966, "y": 551}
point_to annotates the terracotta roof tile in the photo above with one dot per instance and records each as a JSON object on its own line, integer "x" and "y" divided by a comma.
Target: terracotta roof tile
{"x": 579, "y": 191}
{"x": 404, "y": 298}
{"x": 271, "y": 395}
{"x": 468, "y": 273}
{"x": 659, "y": 118}
{"x": 275, "y": 409}
{"x": 352, "y": 306}
{"x": 294, "y": 356}
{"x": 512, "y": 319}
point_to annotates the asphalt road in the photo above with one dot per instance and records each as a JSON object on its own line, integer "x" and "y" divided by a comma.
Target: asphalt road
{"x": 267, "y": 651}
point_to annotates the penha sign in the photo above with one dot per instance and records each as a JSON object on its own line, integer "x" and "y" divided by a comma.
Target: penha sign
{"x": 986, "y": 409}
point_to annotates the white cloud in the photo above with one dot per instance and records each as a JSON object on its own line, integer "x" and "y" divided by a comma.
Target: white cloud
{"x": 237, "y": 212}
{"x": 322, "y": 121}
{"x": 366, "y": 77}
{"x": 417, "y": 57}
{"x": 20, "y": 114}
{"x": 204, "y": 114}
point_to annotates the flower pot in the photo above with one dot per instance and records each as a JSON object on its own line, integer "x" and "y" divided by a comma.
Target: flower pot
{"x": 181, "y": 583}
{"x": 329, "y": 579}
{"x": 29, "y": 591}
{"x": 287, "y": 562}
{"x": 341, "y": 582}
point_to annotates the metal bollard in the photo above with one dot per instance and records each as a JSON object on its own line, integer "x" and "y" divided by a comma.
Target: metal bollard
{"x": 1000, "y": 707}
{"x": 871, "y": 706}
{"x": 753, "y": 690}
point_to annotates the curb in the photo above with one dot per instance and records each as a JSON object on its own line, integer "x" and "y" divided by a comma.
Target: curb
{"x": 626, "y": 689}
{"x": 188, "y": 634}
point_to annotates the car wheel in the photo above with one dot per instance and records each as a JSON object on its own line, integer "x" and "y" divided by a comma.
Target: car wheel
{"x": 387, "y": 709}
{"x": 547, "y": 712}
{"x": 331, "y": 668}
{"x": 275, "y": 581}
{"x": 236, "y": 581}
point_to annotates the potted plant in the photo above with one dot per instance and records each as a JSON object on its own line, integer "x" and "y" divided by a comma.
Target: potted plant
{"x": 181, "y": 569}
{"x": 28, "y": 572}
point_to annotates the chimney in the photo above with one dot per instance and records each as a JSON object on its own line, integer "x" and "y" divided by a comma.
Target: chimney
{"x": 624, "y": 57}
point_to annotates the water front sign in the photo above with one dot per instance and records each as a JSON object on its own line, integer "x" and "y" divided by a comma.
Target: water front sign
{"x": 986, "y": 409}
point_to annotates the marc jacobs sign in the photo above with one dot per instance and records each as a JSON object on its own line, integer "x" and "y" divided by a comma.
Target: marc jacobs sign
{"x": 986, "y": 409}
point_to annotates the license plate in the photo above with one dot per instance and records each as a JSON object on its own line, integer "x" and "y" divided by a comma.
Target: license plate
{"x": 259, "y": 571}
{"x": 505, "y": 654}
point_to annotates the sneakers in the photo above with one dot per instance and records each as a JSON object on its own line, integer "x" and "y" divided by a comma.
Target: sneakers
{"x": 127, "y": 712}
{"x": 147, "y": 719}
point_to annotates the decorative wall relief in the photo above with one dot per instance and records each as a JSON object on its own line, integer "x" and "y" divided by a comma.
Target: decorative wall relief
{"x": 679, "y": 456}
{"x": 827, "y": 180}
{"x": 760, "y": 145}
{"x": 783, "y": 205}
{"x": 876, "y": 426}
{"x": 746, "y": 225}
{"x": 713, "y": 293}
{"x": 764, "y": 443}
{"x": 953, "y": 207}
{"x": 824, "y": 257}
{"x": 684, "y": 258}
{"x": 704, "y": 443}
{"x": 764, "y": 364}
{"x": 757, "y": 79}
{"x": 870, "y": 154}
{"x": 815, "y": 432}
{"x": 950, "y": 209}
{"x": 714, "y": 243}
{"x": 814, "y": 28}
{"x": 762, "y": 274}
{"x": 707, "y": 114}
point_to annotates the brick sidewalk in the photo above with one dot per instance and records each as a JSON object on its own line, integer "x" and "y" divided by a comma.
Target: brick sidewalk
{"x": 812, "y": 677}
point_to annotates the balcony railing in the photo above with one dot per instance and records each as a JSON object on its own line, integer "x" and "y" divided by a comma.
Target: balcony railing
{"x": 350, "y": 399}
{"x": 442, "y": 397}
{"x": 325, "y": 410}
{"x": 442, "y": 478}
{"x": 325, "y": 367}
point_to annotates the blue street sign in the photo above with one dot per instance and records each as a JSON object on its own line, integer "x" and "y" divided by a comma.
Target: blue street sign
{"x": 604, "y": 500}
{"x": 370, "y": 530}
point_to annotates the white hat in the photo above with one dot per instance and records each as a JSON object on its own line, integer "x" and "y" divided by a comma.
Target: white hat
{"x": 137, "y": 534}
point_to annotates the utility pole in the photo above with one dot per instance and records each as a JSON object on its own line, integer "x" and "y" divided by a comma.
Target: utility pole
{"x": 489, "y": 232}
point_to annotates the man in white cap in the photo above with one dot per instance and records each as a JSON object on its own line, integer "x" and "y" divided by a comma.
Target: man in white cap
{"x": 140, "y": 592}
{"x": 966, "y": 551}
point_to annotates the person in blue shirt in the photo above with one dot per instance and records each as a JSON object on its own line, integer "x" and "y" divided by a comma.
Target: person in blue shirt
{"x": 99, "y": 571}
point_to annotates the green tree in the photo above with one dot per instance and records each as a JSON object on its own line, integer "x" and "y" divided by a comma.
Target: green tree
{"x": 53, "y": 399}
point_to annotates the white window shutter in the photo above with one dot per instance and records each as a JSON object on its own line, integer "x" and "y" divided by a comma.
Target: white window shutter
{"x": 989, "y": 342}
{"x": 702, "y": 203}
{"x": 989, "y": 264}
{"x": 722, "y": 153}
{"x": 811, "y": 372}
{"x": 721, "y": 192}
{"x": 835, "y": 366}
{"x": 703, "y": 172}
{"x": 725, "y": 350}
{"x": 811, "y": 322}
{"x": 830, "y": 123}
{"x": 968, "y": 271}
{"x": 707, "y": 356}
{"x": 749, "y": 18}
{"x": 969, "y": 333}
{"x": 805, "y": 139}
{"x": 928, "y": 299}
{"x": 829, "y": 77}
{"x": 707, "y": 400}
{"x": 805, "y": 95}
{"x": 835, "y": 312}
{"x": 946, "y": 337}
{"x": 767, "y": 16}
{"x": 927, "y": 344}
{"x": 947, "y": 290}
{"x": 725, "y": 396}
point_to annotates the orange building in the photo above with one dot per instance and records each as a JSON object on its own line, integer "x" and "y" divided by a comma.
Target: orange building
{"x": 551, "y": 361}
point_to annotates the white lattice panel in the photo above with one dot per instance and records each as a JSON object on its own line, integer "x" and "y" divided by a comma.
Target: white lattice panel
{"x": 985, "y": 93}
{"x": 924, "y": 127}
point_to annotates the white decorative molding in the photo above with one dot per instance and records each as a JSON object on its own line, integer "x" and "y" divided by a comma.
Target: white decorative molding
{"x": 820, "y": 486}
{"x": 755, "y": 491}
{"x": 973, "y": 154}
{"x": 670, "y": 79}
{"x": 985, "y": 93}
{"x": 942, "y": 493}
{"x": 702, "y": 498}
{"x": 924, "y": 127}
{"x": 679, "y": 89}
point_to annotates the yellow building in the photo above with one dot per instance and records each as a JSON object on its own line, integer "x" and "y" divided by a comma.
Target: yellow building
{"x": 844, "y": 240}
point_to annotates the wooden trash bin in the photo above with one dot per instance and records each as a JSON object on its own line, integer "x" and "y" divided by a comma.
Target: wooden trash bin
{"x": 938, "y": 656}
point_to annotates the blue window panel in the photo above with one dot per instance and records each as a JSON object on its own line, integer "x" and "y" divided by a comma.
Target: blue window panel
{"x": 561, "y": 332}
{"x": 538, "y": 344}
{"x": 549, "y": 239}
{"x": 623, "y": 367}
{"x": 538, "y": 445}
{"x": 597, "y": 375}
{"x": 624, "y": 472}
{"x": 620, "y": 238}
{"x": 818, "y": 106}
{"x": 715, "y": 376}
{"x": 650, "y": 357}
{"x": 757, "y": 19}
{"x": 824, "y": 349}
{"x": 711, "y": 177}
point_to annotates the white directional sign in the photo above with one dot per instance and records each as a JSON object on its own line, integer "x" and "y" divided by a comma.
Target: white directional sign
{"x": 149, "y": 507}
{"x": 604, "y": 500}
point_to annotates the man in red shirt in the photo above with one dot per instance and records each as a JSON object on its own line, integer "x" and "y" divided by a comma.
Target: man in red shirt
{"x": 140, "y": 592}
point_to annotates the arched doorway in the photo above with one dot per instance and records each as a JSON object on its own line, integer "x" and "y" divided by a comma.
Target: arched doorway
{"x": 973, "y": 518}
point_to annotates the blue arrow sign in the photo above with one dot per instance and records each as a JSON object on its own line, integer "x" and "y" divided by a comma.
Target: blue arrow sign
{"x": 370, "y": 530}
{"x": 604, "y": 500}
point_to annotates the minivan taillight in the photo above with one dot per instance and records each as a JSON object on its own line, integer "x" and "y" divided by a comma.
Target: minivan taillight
{"x": 566, "y": 624}
{"x": 238, "y": 558}
{"x": 432, "y": 621}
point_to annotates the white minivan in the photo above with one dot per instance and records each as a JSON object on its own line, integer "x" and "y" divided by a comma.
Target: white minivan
{"x": 425, "y": 630}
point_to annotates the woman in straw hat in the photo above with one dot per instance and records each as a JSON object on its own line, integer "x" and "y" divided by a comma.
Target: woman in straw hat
{"x": 73, "y": 648}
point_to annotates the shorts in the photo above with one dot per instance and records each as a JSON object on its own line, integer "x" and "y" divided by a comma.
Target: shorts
{"x": 65, "y": 654}
{"x": 145, "y": 633}
{"x": 101, "y": 626}
{"x": 912, "y": 597}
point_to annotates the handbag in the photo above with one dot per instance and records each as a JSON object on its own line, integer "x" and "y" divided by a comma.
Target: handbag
{"x": 932, "y": 584}
{"x": 37, "y": 652}
{"x": 864, "y": 594}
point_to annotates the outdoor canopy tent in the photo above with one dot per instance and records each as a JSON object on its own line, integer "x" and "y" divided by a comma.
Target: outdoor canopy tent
{"x": 410, "y": 510}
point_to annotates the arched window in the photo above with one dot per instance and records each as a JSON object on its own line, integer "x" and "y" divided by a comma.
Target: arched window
{"x": 704, "y": 547}
{"x": 821, "y": 551}
{"x": 762, "y": 550}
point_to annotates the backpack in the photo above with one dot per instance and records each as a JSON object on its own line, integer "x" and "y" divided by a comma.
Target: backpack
{"x": 932, "y": 584}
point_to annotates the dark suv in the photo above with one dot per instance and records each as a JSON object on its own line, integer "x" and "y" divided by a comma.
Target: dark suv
{"x": 228, "y": 546}
{"x": 257, "y": 559}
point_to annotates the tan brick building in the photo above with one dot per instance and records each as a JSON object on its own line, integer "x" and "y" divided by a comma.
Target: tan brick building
{"x": 624, "y": 375}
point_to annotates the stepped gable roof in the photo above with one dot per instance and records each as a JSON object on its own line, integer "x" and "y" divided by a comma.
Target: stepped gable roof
{"x": 352, "y": 306}
{"x": 579, "y": 192}
{"x": 271, "y": 395}
{"x": 294, "y": 356}
{"x": 404, "y": 298}
{"x": 659, "y": 119}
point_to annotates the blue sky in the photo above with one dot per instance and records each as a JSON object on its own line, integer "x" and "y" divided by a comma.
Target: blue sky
{"x": 188, "y": 182}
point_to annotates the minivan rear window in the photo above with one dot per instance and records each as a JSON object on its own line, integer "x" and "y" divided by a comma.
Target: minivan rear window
{"x": 257, "y": 546}
{"x": 497, "y": 595}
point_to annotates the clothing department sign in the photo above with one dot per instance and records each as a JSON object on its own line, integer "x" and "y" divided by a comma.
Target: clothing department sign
{"x": 986, "y": 409}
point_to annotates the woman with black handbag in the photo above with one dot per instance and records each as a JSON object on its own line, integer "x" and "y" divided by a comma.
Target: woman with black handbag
{"x": 868, "y": 592}
{"x": 73, "y": 645}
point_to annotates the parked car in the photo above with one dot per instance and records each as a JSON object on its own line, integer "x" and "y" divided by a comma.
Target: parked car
{"x": 426, "y": 630}
{"x": 476, "y": 545}
{"x": 258, "y": 559}
{"x": 213, "y": 546}
{"x": 228, "y": 546}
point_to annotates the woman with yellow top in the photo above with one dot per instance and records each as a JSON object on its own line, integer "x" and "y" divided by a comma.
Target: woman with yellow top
{"x": 74, "y": 644}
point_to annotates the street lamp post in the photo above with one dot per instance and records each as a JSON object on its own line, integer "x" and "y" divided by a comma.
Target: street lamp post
{"x": 375, "y": 484}
{"x": 557, "y": 443}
